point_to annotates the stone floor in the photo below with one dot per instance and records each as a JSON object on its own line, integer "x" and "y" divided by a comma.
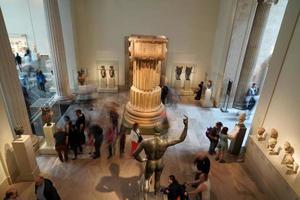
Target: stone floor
{"x": 119, "y": 177}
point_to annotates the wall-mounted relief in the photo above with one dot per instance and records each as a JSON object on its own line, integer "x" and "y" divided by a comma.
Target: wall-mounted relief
{"x": 183, "y": 78}
{"x": 107, "y": 76}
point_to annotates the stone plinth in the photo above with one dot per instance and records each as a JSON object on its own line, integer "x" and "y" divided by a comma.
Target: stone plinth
{"x": 25, "y": 158}
{"x": 49, "y": 146}
{"x": 144, "y": 106}
{"x": 269, "y": 173}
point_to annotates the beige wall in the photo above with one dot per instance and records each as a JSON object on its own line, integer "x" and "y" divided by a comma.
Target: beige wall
{"x": 101, "y": 26}
{"x": 284, "y": 109}
{"x": 278, "y": 107}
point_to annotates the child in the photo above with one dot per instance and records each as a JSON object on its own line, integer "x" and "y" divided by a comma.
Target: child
{"x": 223, "y": 144}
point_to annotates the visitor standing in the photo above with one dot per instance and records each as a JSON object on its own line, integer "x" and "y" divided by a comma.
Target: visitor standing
{"x": 135, "y": 137}
{"x": 45, "y": 190}
{"x": 199, "y": 91}
{"x": 223, "y": 144}
{"x": 19, "y": 61}
{"x": 164, "y": 94}
{"x": 60, "y": 137}
{"x": 97, "y": 132}
{"x": 41, "y": 79}
{"x": 110, "y": 138}
{"x": 213, "y": 136}
{"x": 80, "y": 126}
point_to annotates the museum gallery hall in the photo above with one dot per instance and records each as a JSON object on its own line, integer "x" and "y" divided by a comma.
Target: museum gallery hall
{"x": 144, "y": 100}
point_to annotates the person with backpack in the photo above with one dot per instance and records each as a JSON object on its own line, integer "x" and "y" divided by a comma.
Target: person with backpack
{"x": 223, "y": 144}
{"x": 213, "y": 136}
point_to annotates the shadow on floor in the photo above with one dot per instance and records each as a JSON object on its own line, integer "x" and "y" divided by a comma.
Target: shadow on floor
{"x": 124, "y": 187}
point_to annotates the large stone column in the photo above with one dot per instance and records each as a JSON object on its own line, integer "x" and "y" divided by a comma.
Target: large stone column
{"x": 57, "y": 49}
{"x": 253, "y": 47}
{"x": 144, "y": 106}
{"x": 10, "y": 85}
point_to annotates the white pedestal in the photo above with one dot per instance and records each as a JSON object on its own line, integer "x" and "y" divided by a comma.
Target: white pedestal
{"x": 177, "y": 84}
{"x": 111, "y": 82}
{"x": 25, "y": 158}
{"x": 207, "y": 101}
{"x": 49, "y": 146}
{"x": 103, "y": 82}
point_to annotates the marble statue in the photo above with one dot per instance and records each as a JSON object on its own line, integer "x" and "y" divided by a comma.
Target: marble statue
{"x": 103, "y": 71}
{"x": 272, "y": 142}
{"x": 261, "y": 135}
{"x": 188, "y": 71}
{"x": 178, "y": 71}
{"x": 154, "y": 149}
{"x": 207, "y": 100}
{"x": 111, "y": 71}
{"x": 288, "y": 159}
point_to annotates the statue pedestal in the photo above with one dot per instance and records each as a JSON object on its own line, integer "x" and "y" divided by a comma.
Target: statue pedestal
{"x": 206, "y": 102}
{"x": 25, "y": 158}
{"x": 49, "y": 146}
{"x": 177, "y": 84}
{"x": 103, "y": 83}
{"x": 111, "y": 82}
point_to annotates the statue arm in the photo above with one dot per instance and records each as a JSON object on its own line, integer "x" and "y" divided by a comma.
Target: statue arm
{"x": 137, "y": 152}
{"x": 183, "y": 134}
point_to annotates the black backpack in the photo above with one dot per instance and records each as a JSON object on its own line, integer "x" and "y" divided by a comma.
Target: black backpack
{"x": 207, "y": 132}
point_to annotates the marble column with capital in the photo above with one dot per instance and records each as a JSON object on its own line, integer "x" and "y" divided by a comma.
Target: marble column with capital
{"x": 57, "y": 50}
{"x": 252, "y": 51}
{"x": 10, "y": 86}
{"x": 144, "y": 106}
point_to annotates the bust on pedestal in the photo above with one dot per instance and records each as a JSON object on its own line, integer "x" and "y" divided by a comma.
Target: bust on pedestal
{"x": 240, "y": 131}
{"x": 25, "y": 158}
{"x": 49, "y": 129}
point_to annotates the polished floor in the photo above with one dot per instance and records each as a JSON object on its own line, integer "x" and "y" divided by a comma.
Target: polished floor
{"x": 119, "y": 177}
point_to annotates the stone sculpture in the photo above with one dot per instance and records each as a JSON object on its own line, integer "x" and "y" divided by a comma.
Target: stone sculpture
{"x": 154, "y": 149}
{"x": 288, "y": 159}
{"x": 272, "y": 142}
{"x": 178, "y": 71}
{"x": 188, "y": 71}
{"x": 261, "y": 135}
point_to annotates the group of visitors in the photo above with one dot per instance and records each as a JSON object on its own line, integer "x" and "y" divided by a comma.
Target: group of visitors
{"x": 73, "y": 137}
{"x": 218, "y": 137}
{"x": 44, "y": 190}
{"x": 200, "y": 184}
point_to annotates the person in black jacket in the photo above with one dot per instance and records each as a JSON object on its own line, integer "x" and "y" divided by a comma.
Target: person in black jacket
{"x": 97, "y": 132}
{"x": 45, "y": 190}
{"x": 174, "y": 190}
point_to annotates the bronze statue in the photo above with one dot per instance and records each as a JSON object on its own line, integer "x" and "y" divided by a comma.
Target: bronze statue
{"x": 178, "y": 71}
{"x": 188, "y": 71}
{"x": 103, "y": 71}
{"x": 111, "y": 71}
{"x": 154, "y": 149}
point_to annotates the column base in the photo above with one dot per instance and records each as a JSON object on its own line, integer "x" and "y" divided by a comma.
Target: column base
{"x": 147, "y": 119}
{"x": 64, "y": 99}
{"x": 47, "y": 150}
